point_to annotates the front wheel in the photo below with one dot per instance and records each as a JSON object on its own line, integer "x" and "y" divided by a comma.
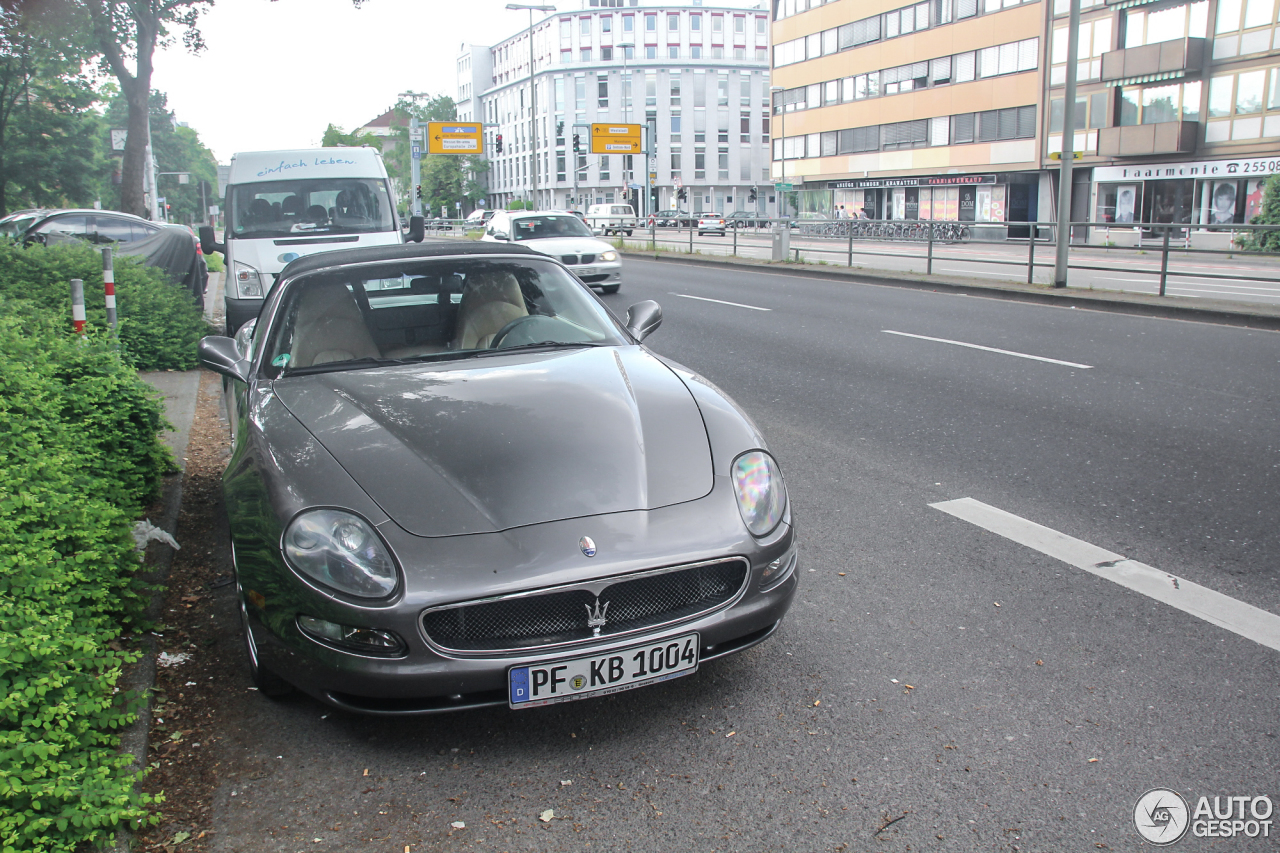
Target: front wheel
{"x": 628, "y": 233}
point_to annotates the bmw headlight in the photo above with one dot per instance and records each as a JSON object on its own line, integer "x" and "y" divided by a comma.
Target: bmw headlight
{"x": 609, "y": 256}
{"x": 341, "y": 551}
{"x": 762, "y": 496}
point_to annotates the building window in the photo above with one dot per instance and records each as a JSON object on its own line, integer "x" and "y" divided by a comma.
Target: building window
{"x": 717, "y": 23}
{"x": 628, "y": 23}
{"x": 744, "y": 128}
{"x": 604, "y": 167}
{"x": 650, "y": 23}
{"x": 584, "y": 54}
{"x": 1095, "y": 40}
{"x": 606, "y": 23}
{"x": 673, "y": 23}
{"x": 675, "y": 123}
{"x": 673, "y": 51}
{"x": 695, "y": 52}
{"x": 584, "y": 26}
{"x": 560, "y": 173}
{"x": 603, "y": 93}
{"x": 566, "y": 31}
{"x": 722, "y": 167}
{"x": 651, "y": 52}
{"x": 699, "y": 166}
{"x": 695, "y": 23}
{"x": 606, "y": 54}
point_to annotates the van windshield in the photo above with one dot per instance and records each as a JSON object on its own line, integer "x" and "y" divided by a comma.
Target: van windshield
{"x": 316, "y": 206}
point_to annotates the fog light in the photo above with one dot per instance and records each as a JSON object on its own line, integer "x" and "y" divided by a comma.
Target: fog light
{"x": 368, "y": 641}
{"x": 778, "y": 571}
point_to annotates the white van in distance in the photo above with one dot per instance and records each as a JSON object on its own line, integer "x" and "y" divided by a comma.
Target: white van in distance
{"x": 281, "y": 205}
{"x": 612, "y": 218}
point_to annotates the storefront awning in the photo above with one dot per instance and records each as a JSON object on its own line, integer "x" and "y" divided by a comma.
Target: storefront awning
{"x": 1148, "y": 78}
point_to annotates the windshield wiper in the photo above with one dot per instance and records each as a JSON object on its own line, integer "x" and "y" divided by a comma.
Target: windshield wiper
{"x": 543, "y": 345}
{"x": 355, "y": 364}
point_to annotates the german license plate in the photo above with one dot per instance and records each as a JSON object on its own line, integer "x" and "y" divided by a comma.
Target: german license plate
{"x": 598, "y": 675}
{"x": 581, "y": 271}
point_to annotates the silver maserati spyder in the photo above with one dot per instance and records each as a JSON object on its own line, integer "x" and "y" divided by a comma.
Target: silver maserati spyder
{"x": 458, "y": 480}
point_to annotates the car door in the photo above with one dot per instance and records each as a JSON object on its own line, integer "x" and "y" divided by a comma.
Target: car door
{"x": 57, "y": 227}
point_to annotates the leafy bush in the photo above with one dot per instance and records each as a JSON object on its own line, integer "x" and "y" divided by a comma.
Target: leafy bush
{"x": 66, "y": 583}
{"x": 159, "y": 324}
{"x": 1268, "y": 240}
{"x": 215, "y": 262}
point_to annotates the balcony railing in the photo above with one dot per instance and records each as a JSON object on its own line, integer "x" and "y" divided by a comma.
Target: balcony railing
{"x": 1170, "y": 137}
{"x": 1162, "y": 60}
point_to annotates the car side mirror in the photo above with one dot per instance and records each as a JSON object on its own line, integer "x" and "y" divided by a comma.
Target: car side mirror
{"x": 222, "y": 355}
{"x": 499, "y": 235}
{"x": 417, "y": 228}
{"x": 644, "y": 318}
{"x": 208, "y": 244}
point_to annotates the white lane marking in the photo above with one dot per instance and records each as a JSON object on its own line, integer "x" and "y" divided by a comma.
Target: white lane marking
{"x": 990, "y": 349}
{"x": 721, "y": 302}
{"x": 1250, "y": 622}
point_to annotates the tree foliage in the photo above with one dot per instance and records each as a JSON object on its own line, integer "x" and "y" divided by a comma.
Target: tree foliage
{"x": 336, "y": 137}
{"x": 1269, "y": 240}
{"x": 50, "y": 136}
{"x": 126, "y": 33}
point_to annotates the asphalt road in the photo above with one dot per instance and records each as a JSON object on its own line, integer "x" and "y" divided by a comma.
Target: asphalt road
{"x": 1134, "y": 270}
{"x": 936, "y": 686}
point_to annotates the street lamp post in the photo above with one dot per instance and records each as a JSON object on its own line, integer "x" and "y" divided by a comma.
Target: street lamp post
{"x": 626, "y": 116}
{"x": 776, "y": 91}
{"x": 533, "y": 101}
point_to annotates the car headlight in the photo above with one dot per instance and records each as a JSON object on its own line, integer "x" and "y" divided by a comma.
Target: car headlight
{"x": 341, "y": 551}
{"x": 248, "y": 281}
{"x": 762, "y": 496}
{"x": 609, "y": 256}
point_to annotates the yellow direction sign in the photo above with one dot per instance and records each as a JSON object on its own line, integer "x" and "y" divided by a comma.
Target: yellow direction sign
{"x": 454, "y": 137}
{"x": 615, "y": 139}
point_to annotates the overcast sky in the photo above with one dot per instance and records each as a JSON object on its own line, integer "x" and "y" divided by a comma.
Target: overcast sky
{"x": 274, "y": 75}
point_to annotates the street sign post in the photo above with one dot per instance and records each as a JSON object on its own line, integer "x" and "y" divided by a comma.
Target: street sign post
{"x": 783, "y": 188}
{"x": 615, "y": 138}
{"x": 454, "y": 137}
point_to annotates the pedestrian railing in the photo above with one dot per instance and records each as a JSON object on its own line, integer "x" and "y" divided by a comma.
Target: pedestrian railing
{"x": 844, "y": 241}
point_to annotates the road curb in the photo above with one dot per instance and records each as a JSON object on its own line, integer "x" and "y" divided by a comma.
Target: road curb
{"x": 1169, "y": 307}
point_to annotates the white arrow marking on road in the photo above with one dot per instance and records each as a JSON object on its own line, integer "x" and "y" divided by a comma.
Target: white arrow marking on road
{"x": 989, "y": 349}
{"x": 1248, "y": 621}
{"x": 721, "y": 302}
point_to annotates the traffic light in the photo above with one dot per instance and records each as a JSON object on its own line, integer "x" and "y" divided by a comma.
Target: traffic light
{"x": 683, "y": 194}
{"x": 418, "y": 191}
{"x": 577, "y": 144}
{"x": 498, "y": 144}
{"x": 753, "y": 195}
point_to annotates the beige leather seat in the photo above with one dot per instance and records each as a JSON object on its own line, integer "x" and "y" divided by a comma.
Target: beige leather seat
{"x": 490, "y": 301}
{"x": 330, "y": 327}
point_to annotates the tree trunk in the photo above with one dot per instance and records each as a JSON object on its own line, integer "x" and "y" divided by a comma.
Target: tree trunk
{"x": 134, "y": 166}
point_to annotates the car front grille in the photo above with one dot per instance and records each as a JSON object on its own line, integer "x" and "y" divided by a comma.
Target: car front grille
{"x": 545, "y": 618}
{"x": 569, "y": 260}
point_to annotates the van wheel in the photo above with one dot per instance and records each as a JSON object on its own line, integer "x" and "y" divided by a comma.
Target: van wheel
{"x": 628, "y": 233}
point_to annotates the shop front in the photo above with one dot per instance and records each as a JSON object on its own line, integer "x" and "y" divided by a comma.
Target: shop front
{"x": 1203, "y": 193}
{"x": 993, "y": 203}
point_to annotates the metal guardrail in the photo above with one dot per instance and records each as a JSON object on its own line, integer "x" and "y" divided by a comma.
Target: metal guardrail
{"x": 934, "y": 238}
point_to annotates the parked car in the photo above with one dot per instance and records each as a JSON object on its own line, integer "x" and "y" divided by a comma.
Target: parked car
{"x": 612, "y": 218}
{"x": 561, "y": 235}
{"x": 711, "y": 223}
{"x": 745, "y": 219}
{"x": 479, "y": 217}
{"x": 667, "y": 218}
{"x": 94, "y": 226}
{"x": 458, "y": 481}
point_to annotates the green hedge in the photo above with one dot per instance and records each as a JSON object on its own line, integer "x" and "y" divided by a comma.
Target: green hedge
{"x": 159, "y": 323}
{"x": 79, "y": 455}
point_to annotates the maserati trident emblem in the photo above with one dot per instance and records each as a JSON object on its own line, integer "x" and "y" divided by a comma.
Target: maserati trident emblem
{"x": 596, "y": 617}
{"x": 587, "y": 545}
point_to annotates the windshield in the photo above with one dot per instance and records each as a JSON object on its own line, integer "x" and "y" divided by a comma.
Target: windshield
{"x": 317, "y": 206}
{"x": 15, "y": 226}
{"x": 432, "y": 310}
{"x": 539, "y": 227}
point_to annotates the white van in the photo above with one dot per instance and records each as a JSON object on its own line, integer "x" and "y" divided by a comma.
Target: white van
{"x": 612, "y": 218}
{"x": 281, "y": 205}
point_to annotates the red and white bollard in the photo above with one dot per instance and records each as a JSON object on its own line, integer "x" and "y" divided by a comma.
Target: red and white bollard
{"x": 109, "y": 284}
{"x": 77, "y": 305}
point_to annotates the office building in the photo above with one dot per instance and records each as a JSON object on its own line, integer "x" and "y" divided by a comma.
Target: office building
{"x": 696, "y": 74}
{"x": 926, "y": 110}
{"x": 1177, "y": 110}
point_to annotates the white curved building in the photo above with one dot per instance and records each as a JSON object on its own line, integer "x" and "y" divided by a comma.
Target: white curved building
{"x": 697, "y": 74}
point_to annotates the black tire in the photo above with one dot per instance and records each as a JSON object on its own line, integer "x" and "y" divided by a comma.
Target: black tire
{"x": 612, "y": 288}
{"x": 628, "y": 233}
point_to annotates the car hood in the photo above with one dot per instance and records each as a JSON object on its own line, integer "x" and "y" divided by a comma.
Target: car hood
{"x": 498, "y": 442}
{"x": 556, "y": 246}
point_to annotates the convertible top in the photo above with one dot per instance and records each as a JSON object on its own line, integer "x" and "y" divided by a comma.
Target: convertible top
{"x": 371, "y": 254}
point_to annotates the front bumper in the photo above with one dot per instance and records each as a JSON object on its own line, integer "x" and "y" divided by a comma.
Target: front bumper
{"x": 429, "y": 680}
{"x": 600, "y": 275}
